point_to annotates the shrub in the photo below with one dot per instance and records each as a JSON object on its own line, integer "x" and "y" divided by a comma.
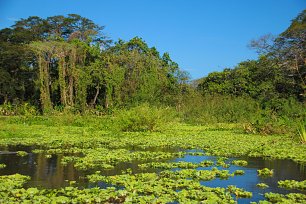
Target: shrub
{"x": 302, "y": 133}
{"x": 24, "y": 109}
{"x": 144, "y": 118}
{"x": 219, "y": 109}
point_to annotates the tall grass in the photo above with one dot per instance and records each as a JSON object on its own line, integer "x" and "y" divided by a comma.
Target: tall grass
{"x": 254, "y": 116}
{"x": 24, "y": 109}
{"x": 144, "y": 118}
{"x": 250, "y": 114}
{"x": 218, "y": 109}
{"x": 302, "y": 133}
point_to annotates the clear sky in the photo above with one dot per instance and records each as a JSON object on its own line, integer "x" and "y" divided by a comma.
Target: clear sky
{"x": 201, "y": 35}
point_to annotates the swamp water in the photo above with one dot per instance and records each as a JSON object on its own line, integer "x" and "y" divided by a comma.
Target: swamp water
{"x": 50, "y": 173}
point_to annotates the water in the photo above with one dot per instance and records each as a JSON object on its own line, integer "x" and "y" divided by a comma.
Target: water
{"x": 49, "y": 173}
{"x": 283, "y": 169}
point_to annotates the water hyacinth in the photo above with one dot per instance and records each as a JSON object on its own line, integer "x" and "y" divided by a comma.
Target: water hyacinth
{"x": 292, "y": 184}
{"x": 157, "y": 172}
{"x": 262, "y": 185}
{"x": 265, "y": 172}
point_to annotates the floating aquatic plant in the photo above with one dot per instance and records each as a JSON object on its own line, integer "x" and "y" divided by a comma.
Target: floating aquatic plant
{"x": 262, "y": 185}
{"x": 21, "y": 153}
{"x": 289, "y": 198}
{"x": 265, "y": 172}
{"x": 292, "y": 184}
{"x": 240, "y": 162}
{"x": 90, "y": 148}
{"x": 239, "y": 192}
{"x": 2, "y": 166}
{"x": 239, "y": 172}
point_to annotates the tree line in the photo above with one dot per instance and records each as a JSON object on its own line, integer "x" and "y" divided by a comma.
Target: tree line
{"x": 278, "y": 74}
{"x": 66, "y": 62}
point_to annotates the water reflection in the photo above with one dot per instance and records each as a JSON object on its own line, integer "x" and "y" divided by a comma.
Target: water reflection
{"x": 44, "y": 172}
{"x": 49, "y": 173}
{"x": 283, "y": 169}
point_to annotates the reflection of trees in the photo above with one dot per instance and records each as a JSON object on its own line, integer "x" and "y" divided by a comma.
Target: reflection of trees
{"x": 51, "y": 173}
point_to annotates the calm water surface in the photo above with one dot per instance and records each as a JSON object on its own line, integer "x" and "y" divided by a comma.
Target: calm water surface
{"x": 49, "y": 173}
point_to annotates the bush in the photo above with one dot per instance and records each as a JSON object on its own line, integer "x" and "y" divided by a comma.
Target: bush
{"x": 144, "y": 118}
{"x": 302, "y": 132}
{"x": 24, "y": 109}
{"x": 219, "y": 109}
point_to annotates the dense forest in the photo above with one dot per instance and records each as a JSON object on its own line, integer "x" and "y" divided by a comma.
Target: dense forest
{"x": 66, "y": 63}
{"x": 62, "y": 62}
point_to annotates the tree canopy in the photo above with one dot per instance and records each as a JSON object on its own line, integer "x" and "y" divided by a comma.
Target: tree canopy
{"x": 67, "y": 61}
{"x": 279, "y": 73}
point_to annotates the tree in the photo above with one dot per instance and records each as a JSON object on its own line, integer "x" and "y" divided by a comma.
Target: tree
{"x": 287, "y": 51}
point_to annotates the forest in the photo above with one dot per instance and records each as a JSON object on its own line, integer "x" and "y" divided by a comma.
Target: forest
{"x": 112, "y": 112}
{"x": 67, "y": 64}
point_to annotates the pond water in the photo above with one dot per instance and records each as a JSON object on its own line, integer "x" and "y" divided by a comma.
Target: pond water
{"x": 49, "y": 173}
{"x": 283, "y": 169}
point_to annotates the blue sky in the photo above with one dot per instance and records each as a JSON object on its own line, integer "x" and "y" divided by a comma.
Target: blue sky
{"x": 202, "y": 36}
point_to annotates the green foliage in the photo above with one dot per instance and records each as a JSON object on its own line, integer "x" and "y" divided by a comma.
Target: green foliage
{"x": 239, "y": 172}
{"x": 144, "y": 118}
{"x": 219, "y": 109}
{"x": 240, "y": 162}
{"x": 12, "y": 181}
{"x": 21, "y": 153}
{"x": 182, "y": 165}
{"x": 302, "y": 133}
{"x": 74, "y": 133}
{"x": 89, "y": 147}
{"x": 72, "y": 65}
{"x": 171, "y": 186}
{"x": 24, "y": 109}
{"x": 239, "y": 193}
{"x": 265, "y": 172}
{"x": 289, "y": 198}
{"x": 262, "y": 185}
{"x": 292, "y": 184}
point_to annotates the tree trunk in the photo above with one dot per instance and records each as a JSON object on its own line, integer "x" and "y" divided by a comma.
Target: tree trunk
{"x": 44, "y": 84}
{"x": 62, "y": 82}
{"x": 93, "y": 102}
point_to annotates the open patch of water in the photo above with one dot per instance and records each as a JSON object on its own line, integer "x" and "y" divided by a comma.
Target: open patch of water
{"x": 283, "y": 169}
{"x": 50, "y": 173}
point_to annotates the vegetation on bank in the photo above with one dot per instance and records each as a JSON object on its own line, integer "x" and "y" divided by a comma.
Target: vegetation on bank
{"x": 65, "y": 64}
{"x": 92, "y": 145}
{"x": 76, "y": 134}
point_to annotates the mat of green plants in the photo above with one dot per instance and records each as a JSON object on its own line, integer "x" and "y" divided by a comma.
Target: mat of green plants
{"x": 63, "y": 159}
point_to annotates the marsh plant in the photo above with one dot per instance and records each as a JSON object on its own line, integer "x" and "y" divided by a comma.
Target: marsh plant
{"x": 302, "y": 133}
{"x": 292, "y": 184}
{"x": 265, "y": 172}
{"x": 262, "y": 185}
{"x": 240, "y": 162}
{"x": 21, "y": 153}
{"x": 144, "y": 118}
